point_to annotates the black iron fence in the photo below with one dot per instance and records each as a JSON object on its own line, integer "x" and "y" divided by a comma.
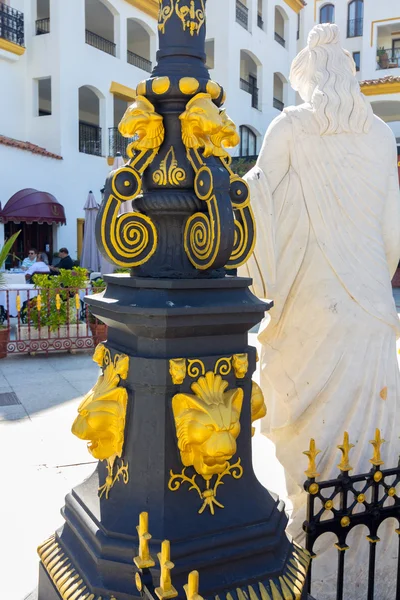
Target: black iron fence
{"x": 139, "y": 61}
{"x": 260, "y": 21}
{"x": 278, "y": 104}
{"x": 90, "y": 139}
{"x": 252, "y": 89}
{"x": 43, "y": 26}
{"x": 280, "y": 39}
{"x": 242, "y": 14}
{"x": 334, "y": 507}
{"x": 11, "y": 24}
{"x": 355, "y": 27}
{"x": 100, "y": 43}
{"x": 117, "y": 143}
{"x": 388, "y": 58}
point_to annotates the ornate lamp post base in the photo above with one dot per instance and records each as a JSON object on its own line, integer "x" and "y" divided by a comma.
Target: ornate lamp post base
{"x": 185, "y": 341}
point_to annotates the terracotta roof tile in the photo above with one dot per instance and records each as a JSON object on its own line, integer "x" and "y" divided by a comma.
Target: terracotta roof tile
{"x": 388, "y": 79}
{"x": 7, "y": 141}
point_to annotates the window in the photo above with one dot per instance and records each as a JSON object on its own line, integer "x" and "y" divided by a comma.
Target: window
{"x": 248, "y": 141}
{"x": 355, "y": 18}
{"x": 44, "y": 97}
{"x": 357, "y": 59}
{"x": 327, "y": 14}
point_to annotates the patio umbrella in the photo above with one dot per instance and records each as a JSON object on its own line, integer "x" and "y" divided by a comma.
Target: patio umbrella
{"x": 90, "y": 258}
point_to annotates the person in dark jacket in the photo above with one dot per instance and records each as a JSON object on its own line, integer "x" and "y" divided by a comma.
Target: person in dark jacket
{"x": 65, "y": 262}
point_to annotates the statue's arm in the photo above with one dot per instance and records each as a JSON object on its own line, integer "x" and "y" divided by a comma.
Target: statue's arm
{"x": 272, "y": 165}
{"x": 274, "y": 158}
{"x": 391, "y": 217}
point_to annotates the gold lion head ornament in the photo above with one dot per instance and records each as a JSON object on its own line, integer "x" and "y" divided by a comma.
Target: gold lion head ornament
{"x": 101, "y": 415}
{"x": 200, "y": 121}
{"x": 208, "y": 424}
{"x": 141, "y": 121}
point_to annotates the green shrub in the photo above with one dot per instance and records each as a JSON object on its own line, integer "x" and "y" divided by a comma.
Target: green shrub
{"x": 57, "y": 298}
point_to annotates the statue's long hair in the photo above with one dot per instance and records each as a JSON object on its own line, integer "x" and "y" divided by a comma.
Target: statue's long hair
{"x": 324, "y": 75}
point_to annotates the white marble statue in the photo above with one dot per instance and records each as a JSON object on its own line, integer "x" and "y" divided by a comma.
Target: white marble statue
{"x": 325, "y": 193}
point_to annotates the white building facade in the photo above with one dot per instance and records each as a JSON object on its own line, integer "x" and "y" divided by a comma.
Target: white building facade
{"x": 66, "y": 84}
{"x": 70, "y": 68}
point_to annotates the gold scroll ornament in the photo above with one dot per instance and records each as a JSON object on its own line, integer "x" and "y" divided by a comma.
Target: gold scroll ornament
{"x": 207, "y": 426}
{"x": 190, "y": 12}
{"x": 102, "y": 414}
{"x": 207, "y": 131}
{"x": 130, "y": 239}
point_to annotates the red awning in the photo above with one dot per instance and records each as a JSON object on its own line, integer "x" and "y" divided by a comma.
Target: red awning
{"x": 32, "y": 206}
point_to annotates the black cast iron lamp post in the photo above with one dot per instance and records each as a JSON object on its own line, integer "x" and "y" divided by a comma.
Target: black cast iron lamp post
{"x": 170, "y": 419}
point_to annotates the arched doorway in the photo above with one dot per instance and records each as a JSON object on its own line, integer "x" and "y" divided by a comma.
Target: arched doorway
{"x": 90, "y": 130}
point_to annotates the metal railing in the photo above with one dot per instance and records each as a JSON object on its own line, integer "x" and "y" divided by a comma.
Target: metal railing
{"x": 139, "y": 61}
{"x": 47, "y": 320}
{"x": 279, "y": 39}
{"x": 11, "y": 24}
{"x": 355, "y": 27}
{"x": 90, "y": 139}
{"x": 260, "y": 21}
{"x": 250, "y": 89}
{"x": 332, "y": 507}
{"x": 242, "y": 14}
{"x": 43, "y": 26}
{"x": 100, "y": 43}
{"x": 278, "y": 104}
{"x": 388, "y": 58}
{"x": 118, "y": 143}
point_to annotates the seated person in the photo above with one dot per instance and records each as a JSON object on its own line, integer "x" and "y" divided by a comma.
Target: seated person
{"x": 40, "y": 266}
{"x": 65, "y": 262}
{"x": 30, "y": 259}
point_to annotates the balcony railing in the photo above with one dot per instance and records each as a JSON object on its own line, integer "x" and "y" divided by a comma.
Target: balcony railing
{"x": 242, "y": 14}
{"x": 280, "y": 39}
{"x": 100, "y": 43}
{"x": 250, "y": 88}
{"x": 11, "y": 24}
{"x": 278, "y": 104}
{"x": 139, "y": 61}
{"x": 355, "y": 27}
{"x": 260, "y": 21}
{"x": 117, "y": 143}
{"x": 388, "y": 59}
{"x": 43, "y": 26}
{"x": 89, "y": 139}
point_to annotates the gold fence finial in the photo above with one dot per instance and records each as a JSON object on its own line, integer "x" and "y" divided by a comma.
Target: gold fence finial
{"x": 312, "y": 454}
{"x": 192, "y": 587}
{"x": 144, "y": 560}
{"x": 377, "y": 443}
{"x": 166, "y": 589}
{"x": 345, "y": 448}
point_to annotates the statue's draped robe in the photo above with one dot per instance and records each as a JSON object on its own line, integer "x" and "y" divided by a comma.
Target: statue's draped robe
{"x": 327, "y": 210}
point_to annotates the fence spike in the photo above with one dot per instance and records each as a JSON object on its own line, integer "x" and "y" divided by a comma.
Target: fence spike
{"x": 377, "y": 443}
{"x": 39, "y": 302}
{"x": 192, "y": 587}
{"x": 18, "y": 303}
{"x": 144, "y": 560}
{"x": 345, "y": 448}
{"x": 77, "y": 301}
{"x": 312, "y": 454}
{"x": 58, "y": 302}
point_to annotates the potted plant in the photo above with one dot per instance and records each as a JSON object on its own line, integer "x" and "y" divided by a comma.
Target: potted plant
{"x": 99, "y": 330}
{"x": 56, "y": 313}
{"x": 383, "y": 59}
{"x": 4, "y": 329}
